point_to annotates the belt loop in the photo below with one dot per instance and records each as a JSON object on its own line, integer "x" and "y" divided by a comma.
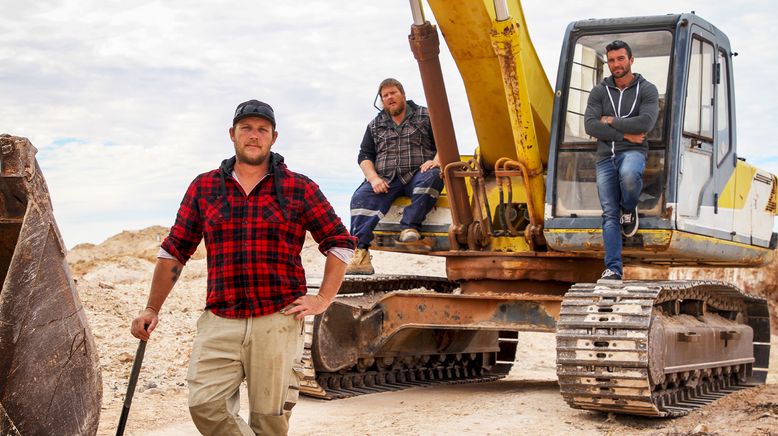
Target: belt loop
{"x": 247, "y": 333}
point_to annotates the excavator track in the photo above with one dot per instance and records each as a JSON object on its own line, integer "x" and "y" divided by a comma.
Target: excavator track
{"x": 392, "y": 374}
{"x": 353, "y": 284}
{"x": 611, "y": 341}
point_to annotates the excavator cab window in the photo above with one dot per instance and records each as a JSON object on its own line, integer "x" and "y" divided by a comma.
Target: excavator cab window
{"x": 576, "y": 161}
{"x": 696, "y": 166}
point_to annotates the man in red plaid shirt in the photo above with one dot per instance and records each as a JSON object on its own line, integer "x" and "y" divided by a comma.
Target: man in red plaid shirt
{"x": 253, "y": 214}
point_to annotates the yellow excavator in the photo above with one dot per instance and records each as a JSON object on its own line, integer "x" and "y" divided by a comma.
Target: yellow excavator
{"x": 520, "y": 228}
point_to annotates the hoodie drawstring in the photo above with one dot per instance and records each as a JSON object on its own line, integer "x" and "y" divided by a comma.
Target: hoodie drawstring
{"x": 276, "y": 159}
{"x": 617, "y": 111}
{"x": 277, "y": 182}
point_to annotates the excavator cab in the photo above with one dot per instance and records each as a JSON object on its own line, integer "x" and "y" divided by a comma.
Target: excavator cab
{"x": 700, "y": 204}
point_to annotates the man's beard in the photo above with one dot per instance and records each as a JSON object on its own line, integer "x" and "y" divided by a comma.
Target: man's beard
{"x": 249, "y": 160}
{"x": 398, "y": 111}
{"x": 623, "y": 73}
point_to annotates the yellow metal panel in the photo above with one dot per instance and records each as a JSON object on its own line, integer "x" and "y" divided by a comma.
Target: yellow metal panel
{"x": 540, "y": 90}
{"x": 560, "y": 238}
{"x": 466, "y": 27}
{"x": 493, "y": 193}
{"x": 665, "y": 247}
{"x": 403, "y": 201}
{"x": 515, "y": 244}
{"x": 738, "y": 186}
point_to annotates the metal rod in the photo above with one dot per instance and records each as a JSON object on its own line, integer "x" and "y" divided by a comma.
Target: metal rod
{"x": 426, "y": 48}
{"x": 501, "y": 10}
{"x": 418, "y": 12}
{"x": 136, "y": 364}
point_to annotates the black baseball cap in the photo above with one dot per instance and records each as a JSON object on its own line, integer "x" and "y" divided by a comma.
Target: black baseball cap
{"x": 254, "y": 108}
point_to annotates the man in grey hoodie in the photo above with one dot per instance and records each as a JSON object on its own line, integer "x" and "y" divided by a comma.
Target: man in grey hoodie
{"x": 620, "y": 111}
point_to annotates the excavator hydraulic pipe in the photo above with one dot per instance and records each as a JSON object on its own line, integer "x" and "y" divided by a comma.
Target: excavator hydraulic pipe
{"x": 418, "y": 13}
{"x": 501, "y": 10}
{"x": 425, "y": 45}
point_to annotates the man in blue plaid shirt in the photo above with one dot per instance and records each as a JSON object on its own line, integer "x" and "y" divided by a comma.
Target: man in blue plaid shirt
{"x": 398, "y": 157}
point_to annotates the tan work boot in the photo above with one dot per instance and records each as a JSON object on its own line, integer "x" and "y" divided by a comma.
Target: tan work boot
{"x": 411, "y": 240}
{"x": 360, "y": 263}
{"x": 409, "y": 235}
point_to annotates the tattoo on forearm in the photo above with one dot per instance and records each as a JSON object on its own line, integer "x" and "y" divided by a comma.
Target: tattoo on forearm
{"x": 176, "y": 273}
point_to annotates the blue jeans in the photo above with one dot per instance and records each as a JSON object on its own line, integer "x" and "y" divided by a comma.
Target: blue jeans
{"x": 619, "y": 182}
{"x": 367, "y": 207}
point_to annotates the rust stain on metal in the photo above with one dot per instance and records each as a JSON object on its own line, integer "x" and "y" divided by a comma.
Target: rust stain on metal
{"x": 394, "y": 322}
{"x": 425, "y": 46}
{"x": 489, "y": 311}
{"x": 513, "y": 268}
{"x": 53, "y": 360}
{"x": 772, "y": 200}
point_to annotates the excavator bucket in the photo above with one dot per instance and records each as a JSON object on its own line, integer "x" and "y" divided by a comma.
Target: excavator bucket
{"x": 50, "y": 379}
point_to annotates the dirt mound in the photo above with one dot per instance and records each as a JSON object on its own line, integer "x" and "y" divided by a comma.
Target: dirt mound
{"x": 129, "y": 244}
{"x": 757, "y": 281}
{"x": 113, "y": 281}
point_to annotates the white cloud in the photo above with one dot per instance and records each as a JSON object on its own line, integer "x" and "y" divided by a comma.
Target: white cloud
{"x": 145, "y": 90}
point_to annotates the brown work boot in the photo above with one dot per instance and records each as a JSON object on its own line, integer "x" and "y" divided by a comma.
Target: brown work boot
{"x": 360, "y": 263}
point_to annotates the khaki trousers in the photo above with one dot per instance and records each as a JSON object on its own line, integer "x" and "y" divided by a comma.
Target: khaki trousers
{"x": 266, "y": 351}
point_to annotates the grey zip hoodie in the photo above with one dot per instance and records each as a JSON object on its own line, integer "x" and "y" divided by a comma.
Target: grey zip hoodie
{"x": 634, "y": 110}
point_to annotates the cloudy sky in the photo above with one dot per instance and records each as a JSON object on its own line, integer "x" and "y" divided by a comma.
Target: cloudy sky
{"x": 127, "y": 101}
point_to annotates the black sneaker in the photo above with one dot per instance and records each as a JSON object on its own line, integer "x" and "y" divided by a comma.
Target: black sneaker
{"x": 609, "y": 277}
{"x": 629, "y": 222}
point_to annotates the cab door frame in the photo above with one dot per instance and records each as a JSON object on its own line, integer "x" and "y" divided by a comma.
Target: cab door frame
{"x": 703, "y": 172}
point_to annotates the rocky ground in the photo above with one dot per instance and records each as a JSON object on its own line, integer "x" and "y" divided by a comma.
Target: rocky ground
{"x": 113, "y": 279}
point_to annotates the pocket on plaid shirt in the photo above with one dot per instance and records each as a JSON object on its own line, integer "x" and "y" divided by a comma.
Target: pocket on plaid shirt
{"x": 213, "y": 211}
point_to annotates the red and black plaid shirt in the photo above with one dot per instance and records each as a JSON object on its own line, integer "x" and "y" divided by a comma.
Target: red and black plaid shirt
{"x": 254, "y": 241}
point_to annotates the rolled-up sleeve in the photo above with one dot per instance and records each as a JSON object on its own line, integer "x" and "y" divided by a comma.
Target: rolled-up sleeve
{"x": 324, "y": 224}
{"x": 187, "y": 232}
